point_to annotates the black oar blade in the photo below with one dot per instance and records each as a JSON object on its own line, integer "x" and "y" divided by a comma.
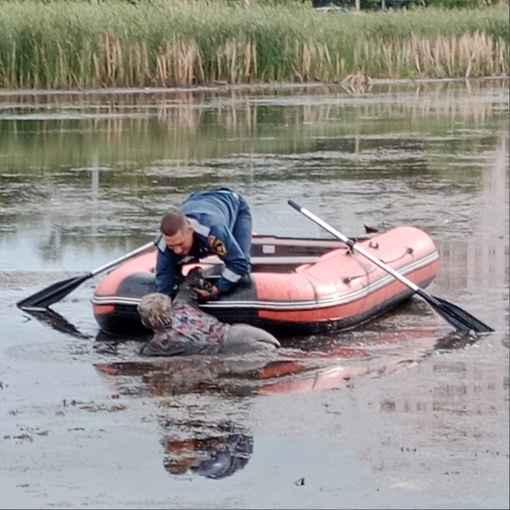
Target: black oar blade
{"x": 46, "y": 297}
{"x": 461, "y": 320}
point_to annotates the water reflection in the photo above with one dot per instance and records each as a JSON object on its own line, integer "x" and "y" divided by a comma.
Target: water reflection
{"x": 180, "y": 375}
{"x": 161, "y": 133}
{"x": 314, "y": 363}
{"x": 126, "y": 157}
{"x": 462, "y": 410}
{"x": 211, "y": 450}
{"x": 208, "y": 437}
{"x": 56, "y": 322}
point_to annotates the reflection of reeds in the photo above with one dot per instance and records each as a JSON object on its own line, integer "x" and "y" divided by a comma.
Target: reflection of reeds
{"x": 357, "y": 83}
{"x": 185, "y": 125}
{"x": 55, "y": 45}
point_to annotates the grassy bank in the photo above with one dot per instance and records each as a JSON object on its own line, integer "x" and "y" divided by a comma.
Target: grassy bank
{"x": 77, "y": 44}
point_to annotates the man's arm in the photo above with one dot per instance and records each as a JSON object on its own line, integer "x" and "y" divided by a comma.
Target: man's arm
{"x": 222, "y": 242}
{"x": 166, "y": 270}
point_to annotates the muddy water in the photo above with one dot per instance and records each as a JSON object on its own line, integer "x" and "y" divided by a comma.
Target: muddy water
{"x": 401, "y": 412}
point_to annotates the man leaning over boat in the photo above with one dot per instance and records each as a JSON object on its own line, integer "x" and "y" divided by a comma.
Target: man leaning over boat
{"x": 216, "y": 222}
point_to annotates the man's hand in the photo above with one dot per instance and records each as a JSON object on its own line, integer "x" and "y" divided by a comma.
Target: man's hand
{"x": 208, "y": 294}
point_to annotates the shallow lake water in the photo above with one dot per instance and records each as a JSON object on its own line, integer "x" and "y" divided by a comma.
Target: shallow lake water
{"x": 400, "y": 412}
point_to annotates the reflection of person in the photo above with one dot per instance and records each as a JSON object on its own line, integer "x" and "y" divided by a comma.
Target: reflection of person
{"x": 212, "y": 457}
{"x": 209, "y": 222}
{"x": 182, "y": 329}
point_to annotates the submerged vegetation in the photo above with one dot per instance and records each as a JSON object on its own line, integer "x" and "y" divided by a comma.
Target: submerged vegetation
{"x": 63, "y": 45}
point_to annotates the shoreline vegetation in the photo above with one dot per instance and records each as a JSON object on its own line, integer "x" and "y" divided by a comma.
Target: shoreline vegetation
{"x": 57, "y": 45}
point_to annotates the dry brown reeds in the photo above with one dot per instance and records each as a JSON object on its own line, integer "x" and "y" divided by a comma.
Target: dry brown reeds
{"x": 158, "y": 44}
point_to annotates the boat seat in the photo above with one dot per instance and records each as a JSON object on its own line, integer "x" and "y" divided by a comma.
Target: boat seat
{"x": 283, "y": 260}
{"x": 309, "y": 263}
{"x": 277, "y": 264}
{"x": 272, "y": 260}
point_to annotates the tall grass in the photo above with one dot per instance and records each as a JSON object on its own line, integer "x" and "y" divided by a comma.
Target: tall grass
{"x": 73, "y": 44}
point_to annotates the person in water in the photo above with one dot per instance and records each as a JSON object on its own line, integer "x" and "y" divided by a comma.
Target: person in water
{"x": 214, "y": 222}
{"x": 182, "y": 328}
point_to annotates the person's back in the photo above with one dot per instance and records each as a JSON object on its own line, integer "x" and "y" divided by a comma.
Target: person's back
{"x": 214, "y": 207}
{"x": 190, "y": 331}
{"x": 182, "y": 328}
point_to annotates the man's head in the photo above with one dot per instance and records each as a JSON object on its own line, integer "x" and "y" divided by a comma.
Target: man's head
{"x": 177, "y": 232}
{"x": 155, "y": 310}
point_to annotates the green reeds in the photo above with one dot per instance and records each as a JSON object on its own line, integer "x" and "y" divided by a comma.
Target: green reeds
{"x": 55, "y": 44}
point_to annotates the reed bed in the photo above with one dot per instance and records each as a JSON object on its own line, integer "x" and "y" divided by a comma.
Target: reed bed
{"x": 75, "y": 44}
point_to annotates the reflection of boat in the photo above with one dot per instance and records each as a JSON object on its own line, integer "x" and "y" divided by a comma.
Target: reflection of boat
{"x": 217, "y": 448}
{"x": 297, "y": 285}
{"x": 286, "y": 371}
{"x": 182, "y": 375}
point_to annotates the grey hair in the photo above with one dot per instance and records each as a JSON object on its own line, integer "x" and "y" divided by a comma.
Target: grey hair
{"x": 155, "y": 310}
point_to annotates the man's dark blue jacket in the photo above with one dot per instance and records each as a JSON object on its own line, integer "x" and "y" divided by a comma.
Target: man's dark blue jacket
{"x": 213, "y": 216}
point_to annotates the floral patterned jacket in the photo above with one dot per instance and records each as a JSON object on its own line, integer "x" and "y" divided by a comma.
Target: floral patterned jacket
{"x": 191, "y": 331}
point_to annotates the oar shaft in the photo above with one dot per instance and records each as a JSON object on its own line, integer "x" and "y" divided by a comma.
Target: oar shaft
{"x": 458, "y": 318}
{"x": 55, "y": 292}
{"x": 117, "y": 261}
{"x": 355, "y": 247}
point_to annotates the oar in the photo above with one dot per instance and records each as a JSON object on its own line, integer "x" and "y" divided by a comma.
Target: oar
{"x": 460, "y": 319}
{"x": 55, "y": 292}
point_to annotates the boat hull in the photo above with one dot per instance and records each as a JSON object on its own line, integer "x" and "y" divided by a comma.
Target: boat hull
{"x": 297, "y": 286}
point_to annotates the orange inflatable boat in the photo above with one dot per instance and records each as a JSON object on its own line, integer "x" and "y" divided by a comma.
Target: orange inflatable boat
{"x": 297, "y": 285}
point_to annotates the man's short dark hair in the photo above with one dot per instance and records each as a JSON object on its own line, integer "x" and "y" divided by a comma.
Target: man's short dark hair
{"x": 172, "y": 222}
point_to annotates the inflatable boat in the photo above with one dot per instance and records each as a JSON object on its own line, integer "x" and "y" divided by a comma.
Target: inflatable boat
{"x": 297, "y": 285}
